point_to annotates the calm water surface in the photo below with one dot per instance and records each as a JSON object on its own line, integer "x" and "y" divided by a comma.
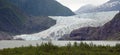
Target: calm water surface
{"x": 14, "y": 43}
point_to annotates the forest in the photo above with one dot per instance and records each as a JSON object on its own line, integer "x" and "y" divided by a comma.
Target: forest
{"x": 69, "y": 49}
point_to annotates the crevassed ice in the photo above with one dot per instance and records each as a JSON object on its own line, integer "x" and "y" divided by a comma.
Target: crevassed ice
{"x": 66, "y": 24}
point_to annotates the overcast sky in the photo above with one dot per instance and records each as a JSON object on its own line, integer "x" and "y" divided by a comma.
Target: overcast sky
{"x": 76, "y": 4}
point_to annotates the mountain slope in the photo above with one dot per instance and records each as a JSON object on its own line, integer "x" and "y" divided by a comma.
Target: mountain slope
{"x": 42, "y": 7}
{"x": 110, "y": 31}
{"x": 15, "y": 22}
{"x": 112, "y": 5}
{"x": 10, "y": 20}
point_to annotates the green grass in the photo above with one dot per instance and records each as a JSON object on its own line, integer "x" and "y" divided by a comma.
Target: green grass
{"x": 76, "y": 49}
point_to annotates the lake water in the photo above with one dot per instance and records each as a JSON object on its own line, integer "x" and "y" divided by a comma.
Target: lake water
{"x": 14, "y": 43}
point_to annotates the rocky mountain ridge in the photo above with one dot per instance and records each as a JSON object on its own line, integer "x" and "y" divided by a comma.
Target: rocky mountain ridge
{"x": 109, "y": 31}
{"x": 112, "y": 5}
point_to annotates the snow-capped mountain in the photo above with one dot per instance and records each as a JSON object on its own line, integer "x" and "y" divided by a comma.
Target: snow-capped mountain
{"x": 85, "y": 8}
{"x": 112, "y": 5}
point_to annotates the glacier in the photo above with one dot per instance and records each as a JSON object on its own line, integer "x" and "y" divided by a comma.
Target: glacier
{"x": 65, "y": 24}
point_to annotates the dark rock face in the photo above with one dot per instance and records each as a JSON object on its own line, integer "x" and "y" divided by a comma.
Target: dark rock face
{"x": 112, "y": 5}
{"x": 110, "y": 31}
{"x": 42, "y": 7}
{"x": 14, "y": 22}
{"x": 83, "y": 33}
